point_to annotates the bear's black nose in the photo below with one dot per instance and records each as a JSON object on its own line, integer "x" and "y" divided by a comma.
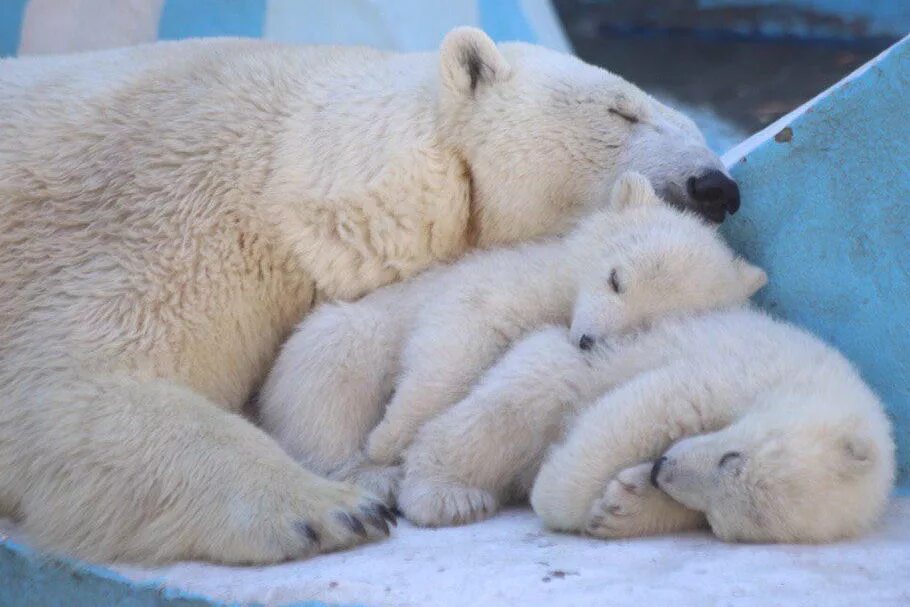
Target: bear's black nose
{"x": 656, "y": 470}
{"x": 585, "y": 342}
{"x": 714, "y": 194}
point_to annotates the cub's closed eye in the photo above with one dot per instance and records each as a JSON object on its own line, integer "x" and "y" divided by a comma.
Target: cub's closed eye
{"x": 614, "y": 282}
{"x": 624, "y": 115}
{"x": 727, "y": 457}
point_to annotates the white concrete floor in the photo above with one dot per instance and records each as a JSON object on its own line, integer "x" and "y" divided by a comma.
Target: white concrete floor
{"x": 511, "y": 561}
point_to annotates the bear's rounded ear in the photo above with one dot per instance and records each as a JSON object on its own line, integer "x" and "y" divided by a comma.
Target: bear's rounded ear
{"x": 469, "y": 60}
{"x": 752, "y": 277}
{"x": 630, "y": 190}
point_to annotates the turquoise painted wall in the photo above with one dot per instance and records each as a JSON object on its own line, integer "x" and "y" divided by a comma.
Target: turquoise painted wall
{"x": 827, "y": 213}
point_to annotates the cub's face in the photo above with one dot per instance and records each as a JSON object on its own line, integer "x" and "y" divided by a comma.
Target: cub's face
{"x": 545, "y": 136}
{"x": 654, "y": 262}
{"x": 778, "y": 478}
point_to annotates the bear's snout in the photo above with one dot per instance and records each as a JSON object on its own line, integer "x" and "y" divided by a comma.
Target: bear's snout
{"x": 714, "y": 194}
{"x": 586, "y": 342}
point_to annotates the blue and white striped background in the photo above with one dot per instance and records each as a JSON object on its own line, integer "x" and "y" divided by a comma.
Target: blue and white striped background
{"x": 53, "y": 26}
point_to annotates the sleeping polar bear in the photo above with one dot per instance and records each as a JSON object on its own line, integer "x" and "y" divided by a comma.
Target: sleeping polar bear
{"x": 169, "y": 212}
{"x": 753, "y": 423}
{"x": 430, "y": 338}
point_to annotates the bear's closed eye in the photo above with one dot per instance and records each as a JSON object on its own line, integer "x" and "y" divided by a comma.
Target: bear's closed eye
{"x": 624, "y": 115}
{"x": 730, "y": 455}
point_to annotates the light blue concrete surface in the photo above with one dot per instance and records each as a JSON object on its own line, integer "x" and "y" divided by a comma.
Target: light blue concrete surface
{"x": 11, "y": 13}
{"x": 827, "y": 213}
{"x": 31, "y": 579}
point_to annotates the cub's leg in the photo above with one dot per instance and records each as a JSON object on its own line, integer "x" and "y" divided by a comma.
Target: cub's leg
{"x": 111, "y": 468}
{"x": 442, "y": 360}
{"x": 632, "y": 506}
{"x": 330, "y": 384}
{"x": 466, "y": 460}
{"x": 633, "y": 423}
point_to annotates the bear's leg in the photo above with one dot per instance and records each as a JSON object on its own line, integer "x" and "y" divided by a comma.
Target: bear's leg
{"x": 631, "y": 506}
{"x": 328, "y": 387}
{"x": 463, "y": 462}
{"x": 111, "y": 468}
{"x": 631, "y": 424}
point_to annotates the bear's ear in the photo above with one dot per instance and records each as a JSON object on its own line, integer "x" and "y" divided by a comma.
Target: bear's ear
{"x": 752, "y": 277}
{"x": 630, "y": 190}
{"x": 469, "y": 60}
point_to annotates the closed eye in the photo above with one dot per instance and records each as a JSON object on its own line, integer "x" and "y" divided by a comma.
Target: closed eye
{"x": 730, "y": 455}
{"x": 624, "y": 115}
{"x": 614, "y": 282}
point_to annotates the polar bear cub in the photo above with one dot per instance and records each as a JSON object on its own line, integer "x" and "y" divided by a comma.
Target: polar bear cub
{"x": 430, "y": 339}
{"x": 756, "y": 427}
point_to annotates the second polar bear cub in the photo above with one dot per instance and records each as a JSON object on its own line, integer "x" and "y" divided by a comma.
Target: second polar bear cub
{"x": 725, "y": 417}
{"x": 429, "y": 339}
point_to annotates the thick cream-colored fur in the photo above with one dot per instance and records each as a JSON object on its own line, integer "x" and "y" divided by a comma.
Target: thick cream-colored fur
{"x": 168, "y": 212}
{"x": 771, "y": 434}
{"x": 428, "y": 340}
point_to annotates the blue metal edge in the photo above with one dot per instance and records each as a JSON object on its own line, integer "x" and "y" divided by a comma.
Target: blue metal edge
{"x": 29, "y": 578}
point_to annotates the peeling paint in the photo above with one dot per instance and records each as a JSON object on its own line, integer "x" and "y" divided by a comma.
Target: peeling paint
{"x": 785, "y": 135}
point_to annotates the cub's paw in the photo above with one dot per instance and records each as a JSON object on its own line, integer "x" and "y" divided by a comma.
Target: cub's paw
{"x": 439, "y": 504}
{"x": 381, "y": 481}
{"x": 386, "y": 443}
{"x": 629, "y": 506}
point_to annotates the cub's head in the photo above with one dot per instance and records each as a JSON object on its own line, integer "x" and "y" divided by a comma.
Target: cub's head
{"x": 544, "y": 136}
{"x": 643, "y": 260}
{"x": 789, "y": 474}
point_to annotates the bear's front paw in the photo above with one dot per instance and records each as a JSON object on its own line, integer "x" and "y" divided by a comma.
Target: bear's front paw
{"x": 327, "y": 515}
{"x": 631, "y": 506}
{"x": 624, "y": 508}
{"x": 386, "y": 443}
{"x": 439, "y": 504}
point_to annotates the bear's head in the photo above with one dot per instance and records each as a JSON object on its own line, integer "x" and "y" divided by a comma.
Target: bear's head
{"x": 544, "y": 136}
{"x": 641, "y": 260}
{"x": 785, "y": 473}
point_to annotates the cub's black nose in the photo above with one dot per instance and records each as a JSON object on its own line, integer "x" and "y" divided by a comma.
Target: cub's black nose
{"x": 656, "y": 470}
{"x": 586, "y": 342}
{"x": 714, "y": 194}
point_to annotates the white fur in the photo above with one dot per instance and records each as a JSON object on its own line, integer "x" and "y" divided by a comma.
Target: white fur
{"x": 431, "y": 338}
{"x": 811, "y": 456}
{"x": 170, "y": 211}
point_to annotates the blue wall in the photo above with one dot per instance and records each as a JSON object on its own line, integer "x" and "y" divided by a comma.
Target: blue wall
{"x": 827, "y": 212}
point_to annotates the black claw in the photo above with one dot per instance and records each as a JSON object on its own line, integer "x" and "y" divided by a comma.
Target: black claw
{"x": 388, "y": 514}
{"x": 353, "y": 523}
{"x": 308, "y": 531}
{"x": 373, "y": 517}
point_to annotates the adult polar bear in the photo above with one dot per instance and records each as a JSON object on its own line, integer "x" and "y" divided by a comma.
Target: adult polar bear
{"x": 170, "y": 211}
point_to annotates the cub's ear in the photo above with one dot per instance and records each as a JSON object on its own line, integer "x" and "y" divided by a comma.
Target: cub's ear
{"x": 857, "y": 455}
{"x": 752, "y": 277}
{"x": 469, "y": 60}
{"x": 632, "y": 189}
